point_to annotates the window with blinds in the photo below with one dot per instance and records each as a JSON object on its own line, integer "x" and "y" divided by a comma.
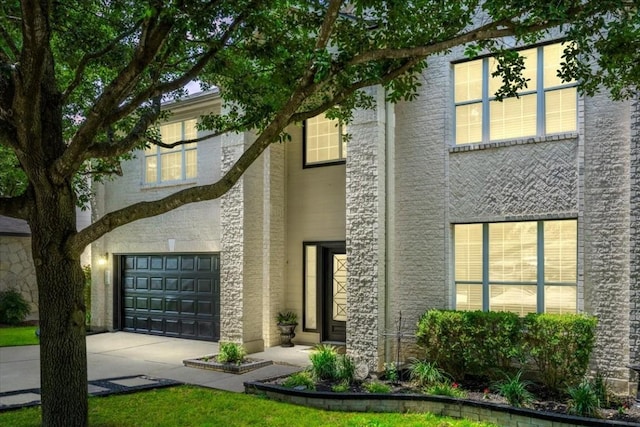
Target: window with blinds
{"x": 522, "y": 267}
{"x": 173, "y": 164}
{"x": 324, "y": 141}
{"x": 546, "y": 106}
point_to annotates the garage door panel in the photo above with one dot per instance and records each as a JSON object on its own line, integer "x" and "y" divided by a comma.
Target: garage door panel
{"x": 180, "y": 297}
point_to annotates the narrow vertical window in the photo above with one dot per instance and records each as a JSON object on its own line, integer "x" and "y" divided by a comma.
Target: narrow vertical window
{"x": 310, "y": 287}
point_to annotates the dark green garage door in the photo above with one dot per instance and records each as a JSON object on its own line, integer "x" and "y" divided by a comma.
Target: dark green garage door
{"x": 175, "y": 295}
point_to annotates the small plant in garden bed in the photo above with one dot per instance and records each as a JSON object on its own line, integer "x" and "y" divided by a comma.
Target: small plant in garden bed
{"x": 300, "y": 379}
{"x": 447, "y": 389}
{"x": 514, "y": 389}
{"x": 231, "y": 353}
{"x": 377, "y": 387}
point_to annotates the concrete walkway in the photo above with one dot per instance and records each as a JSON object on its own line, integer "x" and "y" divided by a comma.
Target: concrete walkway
{"x": 123, "y": 354}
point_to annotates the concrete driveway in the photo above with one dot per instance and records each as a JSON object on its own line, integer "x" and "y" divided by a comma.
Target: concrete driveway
{"x": 123, "y": 354}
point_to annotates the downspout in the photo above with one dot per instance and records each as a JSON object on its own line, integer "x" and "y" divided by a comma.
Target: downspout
{"x": 389, "y": 222}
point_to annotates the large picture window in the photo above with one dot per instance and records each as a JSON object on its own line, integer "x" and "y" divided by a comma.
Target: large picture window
{"x": 172, "y": 164}
{"x": 522, "y": 267}
{"x": 324, "y": 141}
{"x": 546, "y": 106}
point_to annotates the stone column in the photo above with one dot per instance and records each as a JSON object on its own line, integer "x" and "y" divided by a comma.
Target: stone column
{"x": 365, "y": 205}
{"x": 634, "y": 279}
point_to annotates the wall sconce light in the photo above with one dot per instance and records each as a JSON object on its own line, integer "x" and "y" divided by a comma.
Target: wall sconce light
{"x": 102, "y": 261}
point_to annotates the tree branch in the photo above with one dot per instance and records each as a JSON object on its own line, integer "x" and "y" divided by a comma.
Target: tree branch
{"x": 94, "y": 55}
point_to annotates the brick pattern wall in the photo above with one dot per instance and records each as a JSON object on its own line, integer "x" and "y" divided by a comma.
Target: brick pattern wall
{"x": 365, "y": 204}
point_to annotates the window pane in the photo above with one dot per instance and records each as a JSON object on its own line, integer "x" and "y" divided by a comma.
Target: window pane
{"x": 339, "y": 311}
{"x": 468, "y": 297}
{"x": 310, "y": 309}
{"x": 171, "y": 132}
{"x": 191, "y": 162}
{"x": 171, "y": 166}
{"x": 529, "y": 73}
{"x": 469, "y": 123}
{"x": 322, "y": 139}
{"x": 520, "y": 299}
{"x": 560, "y": 251}
{"x": 560, "y": 108}
{"x": 190, "y": 131}
{"x": 513, "y": 117}
{"x": 560, "y": 299}
{"x": 552, "y": 60}
{"x": 468, "y": 252}
{"x": 512, "y": 251}
{"x": 151, "y": 169}
{"x": 468, "y": 80}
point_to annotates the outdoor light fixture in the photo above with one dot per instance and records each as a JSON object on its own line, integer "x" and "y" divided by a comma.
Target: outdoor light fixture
{"x": 102, "y": 261}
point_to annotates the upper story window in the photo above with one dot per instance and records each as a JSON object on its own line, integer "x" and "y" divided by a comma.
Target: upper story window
{"x": 172, "y": 164}
{"x": 324, "y": 141}
{"x": 522, "y": 267}
{"x": 545, "y": 107}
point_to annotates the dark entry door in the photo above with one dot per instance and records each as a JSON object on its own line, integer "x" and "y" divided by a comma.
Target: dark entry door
{"x": 335, "y": 294}
{"x": 175, "y": 295}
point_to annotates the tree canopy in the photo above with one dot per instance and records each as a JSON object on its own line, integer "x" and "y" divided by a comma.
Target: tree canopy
{"x": 82, "y": 82}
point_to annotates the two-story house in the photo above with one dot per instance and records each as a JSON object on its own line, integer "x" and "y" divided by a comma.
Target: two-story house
{"x": 453, "y": 201}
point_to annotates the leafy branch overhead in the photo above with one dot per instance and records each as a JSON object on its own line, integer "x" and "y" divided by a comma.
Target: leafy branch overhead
{"x": 101, "y": 69}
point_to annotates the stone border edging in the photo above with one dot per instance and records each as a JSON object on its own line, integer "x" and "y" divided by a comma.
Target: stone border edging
{"x": 496, "y": 413}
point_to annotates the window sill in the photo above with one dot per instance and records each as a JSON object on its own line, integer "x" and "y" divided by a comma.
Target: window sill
{"x": 162, "y": 185}
{"x": 511, "y": 142}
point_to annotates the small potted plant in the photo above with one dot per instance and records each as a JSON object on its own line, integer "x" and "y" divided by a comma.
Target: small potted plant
{"x": 287, "y": 322}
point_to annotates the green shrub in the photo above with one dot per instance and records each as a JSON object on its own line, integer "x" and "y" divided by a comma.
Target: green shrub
{"x": 602, "y": 388}
{"x": 425, "y": 373}
{"x": 584, "y": 400}
{"x": 300, "y": 379}
{"x": 391, "y": 372}
{"x": 514, "y": 389}
{"x": 446, "y": 389}
{"x": 377, "y": 387}
{"x": 231, "y": 353}
{"x": 559, "y": 345}
{"x": 13, "y": 307}
{"x": 324, "y": 362}
{"x": 345, "y": 368}
{"x": 442, "y": 335}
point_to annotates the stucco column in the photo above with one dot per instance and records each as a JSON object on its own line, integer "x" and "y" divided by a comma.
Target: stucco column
{"x": 365, "y": 204}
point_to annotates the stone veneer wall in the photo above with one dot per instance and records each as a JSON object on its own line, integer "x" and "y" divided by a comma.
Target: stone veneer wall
{"x": 17, "y": 271}
{"x": 253, "y": 245}
{"x": 606, "y": 229}
{"x": 634, "y": 279}
{"x": 365, "y": 204}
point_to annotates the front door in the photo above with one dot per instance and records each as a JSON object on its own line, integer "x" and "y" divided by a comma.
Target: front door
{"x": 335, "y": 294}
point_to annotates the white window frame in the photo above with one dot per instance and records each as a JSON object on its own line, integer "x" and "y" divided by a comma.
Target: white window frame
{"x": 342, "y": 146}
{"x": 485, "y": 101}
{"x": 156, "y": 152}
{"x": 540, "y": 281}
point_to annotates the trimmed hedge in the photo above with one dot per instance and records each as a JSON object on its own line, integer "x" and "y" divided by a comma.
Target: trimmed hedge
{"x": 553, "y": 347}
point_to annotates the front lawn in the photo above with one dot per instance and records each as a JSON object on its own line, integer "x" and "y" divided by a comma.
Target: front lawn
{"x": 196, "y": 406}
{"x": 19, "y": 335}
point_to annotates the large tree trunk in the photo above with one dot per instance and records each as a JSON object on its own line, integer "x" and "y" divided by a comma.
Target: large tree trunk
{"x": 63, "y": 362}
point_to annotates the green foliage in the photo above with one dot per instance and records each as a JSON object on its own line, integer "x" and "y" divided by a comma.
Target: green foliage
{"x": 13, "y": 180}
{"x": 514, "y": 389}
{"x": 391, "y": 372}
{"x": 602, "y": 388}
{"x": 584, "y": 400}
{"x": 446, "y": 389}
{"x": 425, "y": 373}
{"x": 13, "y": 307}
{"x": 324, "y": 362}
{"x": 18, "y": 335}
{"x": 231, "y": 352}
{"x": 559, "y": 346}
{"x": 340, "y": 387}
{"x": 87, "y": 293}
{"x": 556, "y": 346}
{"x": 345, "y": 368}
{"x": 377, "y": 387}
{"x": 287, "y": 318}
{"x": 300, "y": 379}
{"x": 470, "y": 342}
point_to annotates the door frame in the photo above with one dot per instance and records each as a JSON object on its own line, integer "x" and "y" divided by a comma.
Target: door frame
{"x": 323, "y": 304}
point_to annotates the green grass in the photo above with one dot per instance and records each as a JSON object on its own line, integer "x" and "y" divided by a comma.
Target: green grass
{"x": 20, "y": 335}
{"x": 196, "y": 406}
